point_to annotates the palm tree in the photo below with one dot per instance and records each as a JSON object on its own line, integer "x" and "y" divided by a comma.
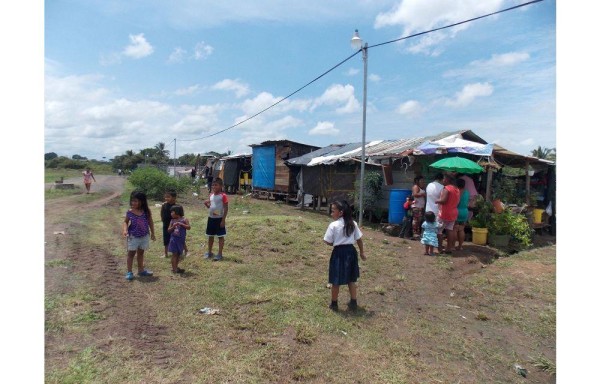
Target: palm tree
{"x": 161, "y": 151}
{"x": 545, "y": 153}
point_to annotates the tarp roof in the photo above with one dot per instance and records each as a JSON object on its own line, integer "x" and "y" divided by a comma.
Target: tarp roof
{"x": 375, "y": 150}
{"x": 446, "y": 142}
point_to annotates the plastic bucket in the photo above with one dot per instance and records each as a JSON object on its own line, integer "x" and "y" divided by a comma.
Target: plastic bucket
{"x": 537, "y": 215}
{"x": 396, "y": 211}
{"x": 479, "y": 236}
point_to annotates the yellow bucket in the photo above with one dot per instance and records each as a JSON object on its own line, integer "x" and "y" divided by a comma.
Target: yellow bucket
{"x": 537, "y": 215}
{"x": 479, "y": 236}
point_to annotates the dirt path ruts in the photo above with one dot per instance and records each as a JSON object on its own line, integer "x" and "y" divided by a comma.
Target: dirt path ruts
{"x": 125, "y": 321}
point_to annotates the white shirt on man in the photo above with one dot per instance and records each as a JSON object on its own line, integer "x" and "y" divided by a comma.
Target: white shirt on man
{"x": 434, "y": 190}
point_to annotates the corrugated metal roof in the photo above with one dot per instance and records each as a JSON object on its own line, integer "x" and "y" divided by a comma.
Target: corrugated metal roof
{"x": 238, "y": 156}
{"x": 347, "y": 152}
{"x": 305, "y": 159}
{"x": 270, "y": 142}
{"x": 373, "y": 150}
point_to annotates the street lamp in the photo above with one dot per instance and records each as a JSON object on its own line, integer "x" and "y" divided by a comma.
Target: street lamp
{"x": 356, "y": 43}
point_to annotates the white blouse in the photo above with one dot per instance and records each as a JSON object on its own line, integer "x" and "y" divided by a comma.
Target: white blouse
{"x": 335, "y": 233}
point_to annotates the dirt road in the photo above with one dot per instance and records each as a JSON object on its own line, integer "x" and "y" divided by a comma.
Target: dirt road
{"x": 79, "y": 276}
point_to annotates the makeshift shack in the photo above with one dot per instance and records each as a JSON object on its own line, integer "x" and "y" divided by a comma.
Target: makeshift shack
{"x": 236, "y": 171}
{"x": 271, "y": 178}
{"x": 332, "y": 171}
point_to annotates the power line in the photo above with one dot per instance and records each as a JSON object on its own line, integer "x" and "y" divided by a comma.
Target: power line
{"x": 354, "y": 54}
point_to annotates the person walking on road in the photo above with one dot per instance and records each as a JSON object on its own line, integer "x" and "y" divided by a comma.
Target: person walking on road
{"x": 88, "y": 176}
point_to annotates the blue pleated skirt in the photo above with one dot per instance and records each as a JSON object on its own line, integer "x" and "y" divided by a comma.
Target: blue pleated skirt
{"x": 343, "y": 265}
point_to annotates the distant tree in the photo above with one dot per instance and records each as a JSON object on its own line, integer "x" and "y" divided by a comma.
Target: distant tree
{"x": 50, "y": 156}
{"x": 127, "y": 161}
{"x": 544, "y": 153}
{"x": 78, "y": 157}
{"x": 187, "y": 159}
{"x": 217, "y": 154}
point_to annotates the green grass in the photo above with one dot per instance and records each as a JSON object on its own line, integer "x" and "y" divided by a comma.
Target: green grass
{"x": 274, "y": 325}
{"x": 82, "y": 369}
{"x": 59, "y": 263}
{"x": 52, "y": 193}
{"x": 71, "y": 312}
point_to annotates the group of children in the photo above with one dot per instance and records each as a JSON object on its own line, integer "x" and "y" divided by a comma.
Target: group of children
{"x": 138, "y": 228}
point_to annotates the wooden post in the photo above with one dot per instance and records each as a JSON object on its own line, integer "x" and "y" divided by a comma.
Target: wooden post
{"x": 319, "y": 204}
{"x": 527, "y": 182}
{"x": 302, "y": 202}
{"x": 488, "y": 184}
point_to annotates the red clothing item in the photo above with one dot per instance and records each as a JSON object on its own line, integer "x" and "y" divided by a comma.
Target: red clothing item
{"x": 448, "y": 210}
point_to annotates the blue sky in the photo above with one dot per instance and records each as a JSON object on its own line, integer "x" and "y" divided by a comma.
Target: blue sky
{"x": 126, "y": 75}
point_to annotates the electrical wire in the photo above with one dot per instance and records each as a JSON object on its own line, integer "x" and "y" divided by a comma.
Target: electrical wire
{"x": 354, "y": 54}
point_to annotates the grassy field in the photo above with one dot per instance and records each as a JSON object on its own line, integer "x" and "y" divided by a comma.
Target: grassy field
{"x": 53, "y": 174}
{"x": 416, "y": 324}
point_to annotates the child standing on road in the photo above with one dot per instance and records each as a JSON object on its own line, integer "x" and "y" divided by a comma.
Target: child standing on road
{"x": 342, "y": 233}
{"x": 138, "y": 220}
{"x": 217, "y": 205}
{"x": 430, "y": 229}
{"x": 178, "y": 228}
{"x": 165, "y": 215}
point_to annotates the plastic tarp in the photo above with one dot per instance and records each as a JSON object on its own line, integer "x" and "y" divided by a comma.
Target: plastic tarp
{"x": 454, "y": 144}
{"x": 263, "y": 167}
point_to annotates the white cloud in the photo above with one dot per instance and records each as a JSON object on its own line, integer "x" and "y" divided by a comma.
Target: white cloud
{"x": 469, "y": 93}
{"x": 264, "y": 100}
{"x": 324, "y": 128}
{"x": 428, "y": 44}
{"x": 374, "y": 78}
{"x": 138, "y": 47}
{"x": 202, "y": 51}
{"x": 110, "y": 59}
{"x": 236, "y": 86}
{"x": 411, "y": 108}
{"x": 338, "y": 94}
{"x": 497, "y": 66}
{"x": 177, "y": 56}
{"x": 187, "y": 91}
{"x": 197, "y": 120}
{"x": 419, "y": 16}
{"x": 502, "y": 60}
{"x": 352, "y": 72}
{"x": 261, "y": 101}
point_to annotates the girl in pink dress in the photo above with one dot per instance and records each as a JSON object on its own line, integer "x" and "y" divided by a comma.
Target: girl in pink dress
{"x": 88, "y": 176}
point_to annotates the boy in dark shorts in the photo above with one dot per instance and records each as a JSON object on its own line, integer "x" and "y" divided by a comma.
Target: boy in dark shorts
{"x": 217, "y": 205}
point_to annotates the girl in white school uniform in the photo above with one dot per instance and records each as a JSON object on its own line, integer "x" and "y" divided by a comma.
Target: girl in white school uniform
{"x": 342, "y": 233}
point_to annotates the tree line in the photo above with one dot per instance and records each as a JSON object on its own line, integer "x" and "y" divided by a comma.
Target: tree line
{"x": 130, "y": 160}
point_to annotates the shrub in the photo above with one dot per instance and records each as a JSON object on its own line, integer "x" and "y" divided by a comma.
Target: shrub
{"x": 154, "y": 182}
{"x": 373, "y": 191}
{"x": 483, "y": 213}
{"x": 520, "y": 230}
{"x": 513, "y": 224}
